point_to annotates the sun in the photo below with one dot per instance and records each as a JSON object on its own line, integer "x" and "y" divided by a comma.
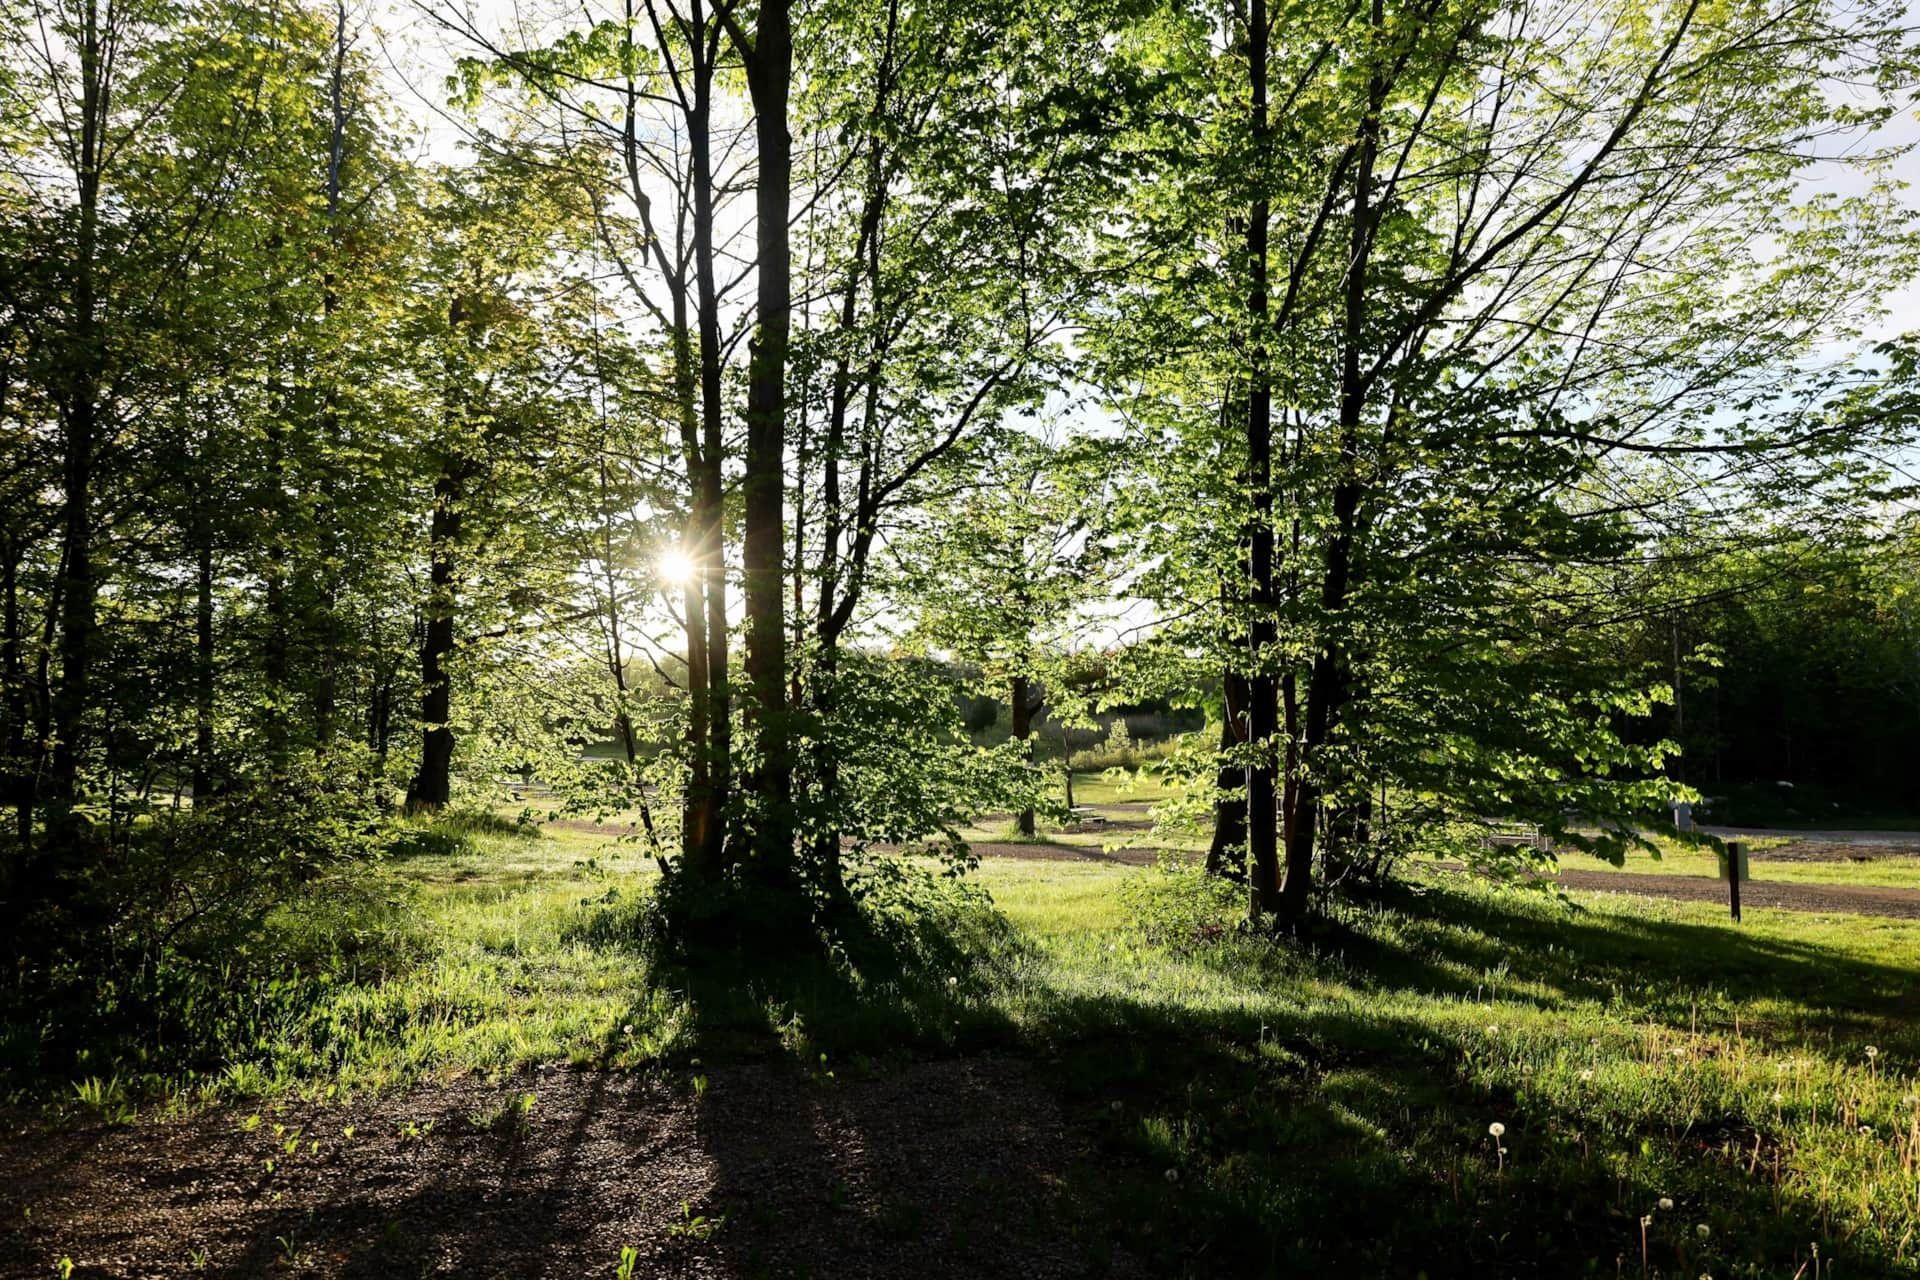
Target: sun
{"x": 676, "y": 567}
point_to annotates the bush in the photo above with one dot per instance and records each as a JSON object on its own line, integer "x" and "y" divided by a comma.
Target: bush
{"x": 1122, "y": 751}
{"x": 1181, "y": 906}
{"x": 165, "y": 947}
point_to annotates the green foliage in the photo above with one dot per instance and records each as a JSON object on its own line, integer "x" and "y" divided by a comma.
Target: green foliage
{"x": 908, "y": 770}
{"x": 1182, "y": 906}
{"x": 189, "y": 938}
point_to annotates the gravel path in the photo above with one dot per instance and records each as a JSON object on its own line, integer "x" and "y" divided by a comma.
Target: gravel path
{"x": 1855, "y": 899}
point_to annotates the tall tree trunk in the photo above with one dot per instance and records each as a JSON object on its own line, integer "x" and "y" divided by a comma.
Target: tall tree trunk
{"x": 1263, "y": 694}
{"x": 1227, "y": 851}
{"x": 706, "y": 844}
{"x": 1328, "y": 685}
{"x": 769, "y": 75}
{"x": 433, "y": 781}
{"x": 80, "y": 428}
{"x": 1021, "y": 708}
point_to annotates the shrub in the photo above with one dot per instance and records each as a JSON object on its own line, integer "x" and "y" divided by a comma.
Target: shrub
{"x": 191, "y": 935}
{"x": 1181, "y": 906}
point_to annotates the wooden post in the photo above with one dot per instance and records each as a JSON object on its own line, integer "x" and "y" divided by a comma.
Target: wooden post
{"x": 1735, "y": 859}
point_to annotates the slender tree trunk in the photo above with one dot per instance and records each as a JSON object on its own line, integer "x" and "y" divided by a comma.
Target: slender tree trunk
{"x": 1263, "y": 695}
{"x": 80, "y": 427}
{"x": 707, "y": 843}
{"x": 1329, "y": 683}
{"x": 433, "y": 781}
{"x": 699, "y": 818}
{"x": 1021, "y": 710}
{"x": 764, "y": 483}
{"x": 1227, "y": 852}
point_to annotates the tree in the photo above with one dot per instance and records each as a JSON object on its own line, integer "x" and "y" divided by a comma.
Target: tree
{"x": 953, "y": 175}
{"x": 1510, "y": 245}
{"x": 1002, "y": 569}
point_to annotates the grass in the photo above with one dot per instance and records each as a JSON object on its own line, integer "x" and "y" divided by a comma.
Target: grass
{"x": 1317, "y": 1108}
{"x": 1110, "y": 786}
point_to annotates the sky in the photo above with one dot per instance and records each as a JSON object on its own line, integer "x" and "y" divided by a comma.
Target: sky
{"x": 417, "y": 52}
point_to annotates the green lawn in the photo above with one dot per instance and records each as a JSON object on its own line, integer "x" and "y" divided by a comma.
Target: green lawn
{"x": 1316, "y": 1109}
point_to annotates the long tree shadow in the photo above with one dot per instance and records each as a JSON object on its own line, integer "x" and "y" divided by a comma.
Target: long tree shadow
{"x": 1270, "y": 1136}
{"x": 888, "y": 1124}
{"x": 1527, "y": 947}
{"x": 930, "y": 1093}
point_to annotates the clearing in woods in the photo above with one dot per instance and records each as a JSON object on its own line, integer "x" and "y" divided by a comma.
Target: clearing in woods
{"x": 1030, "y": 1085}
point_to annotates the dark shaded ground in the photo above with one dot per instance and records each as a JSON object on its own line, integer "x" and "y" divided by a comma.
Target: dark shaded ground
{"x": 949, "y": 1168}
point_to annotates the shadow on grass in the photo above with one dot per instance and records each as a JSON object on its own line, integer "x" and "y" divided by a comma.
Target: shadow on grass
{"x": 1305, "y": 1136}
{"x": 1282, "y": 1134}
{"x": 1445, "y": 940}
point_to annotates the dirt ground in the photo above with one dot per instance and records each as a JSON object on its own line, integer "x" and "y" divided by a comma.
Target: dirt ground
{"x": 1865, "y": 900}
{"x": 948, "y": 1169}
{"x": 1828, "y": 849}
{"x": 1871, "y": 900}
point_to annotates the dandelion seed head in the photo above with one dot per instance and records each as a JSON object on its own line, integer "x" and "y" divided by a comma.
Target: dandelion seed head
{"x": 1497, "y": 1129}
{"x": 1666, "y": 1204}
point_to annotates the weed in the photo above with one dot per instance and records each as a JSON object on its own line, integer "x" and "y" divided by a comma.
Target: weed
{"x": 510, "y": 1115}
{"x": 107, "y": 1099}
{"x": 692, "y": 1226}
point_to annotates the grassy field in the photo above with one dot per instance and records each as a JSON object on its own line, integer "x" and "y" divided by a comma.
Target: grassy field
{"x": 1455, "y": 1081}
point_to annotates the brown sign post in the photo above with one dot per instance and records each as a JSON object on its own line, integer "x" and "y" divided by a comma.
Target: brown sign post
{"x": 1736, "y": 862}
